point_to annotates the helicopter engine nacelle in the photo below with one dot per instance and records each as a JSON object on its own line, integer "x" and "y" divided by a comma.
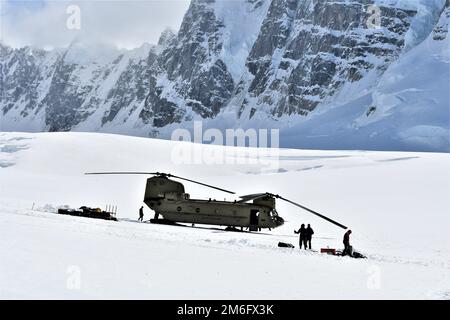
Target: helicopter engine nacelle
{"x": 157, "y": 187}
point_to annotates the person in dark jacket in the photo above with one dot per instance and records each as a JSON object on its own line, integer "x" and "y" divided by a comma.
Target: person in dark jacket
{"x": 141, "y": 214}
{"x": 302, "y": 233}
{"x": 309, "y": 234}
{"x": 347, "y": 247}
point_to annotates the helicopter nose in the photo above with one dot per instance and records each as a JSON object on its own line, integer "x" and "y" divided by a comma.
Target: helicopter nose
{"x": 280, "y": 221}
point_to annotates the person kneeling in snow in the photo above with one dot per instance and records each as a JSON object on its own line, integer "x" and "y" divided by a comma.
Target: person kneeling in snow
{"x": 348, "y": 250}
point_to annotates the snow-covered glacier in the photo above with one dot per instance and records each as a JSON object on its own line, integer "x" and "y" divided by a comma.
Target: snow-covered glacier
{"x": 315, "y": 69}
{"x": 396, "y": 203}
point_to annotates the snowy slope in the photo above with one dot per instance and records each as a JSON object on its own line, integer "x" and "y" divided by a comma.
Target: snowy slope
{"x": 397, "y": 204}
{"x": 415, "y": 86}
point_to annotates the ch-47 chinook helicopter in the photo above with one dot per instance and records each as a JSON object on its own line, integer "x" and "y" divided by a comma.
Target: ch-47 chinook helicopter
{"x": 167, "y": 198}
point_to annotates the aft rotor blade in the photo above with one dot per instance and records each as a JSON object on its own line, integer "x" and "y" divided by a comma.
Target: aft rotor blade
{"x": 201, "y": 183}
{"x": 313, "y": 212}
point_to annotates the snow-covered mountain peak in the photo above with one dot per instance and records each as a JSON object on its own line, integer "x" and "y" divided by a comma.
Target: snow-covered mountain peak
{"x": 166, "y": 37}
{"x": 286, "y": 64}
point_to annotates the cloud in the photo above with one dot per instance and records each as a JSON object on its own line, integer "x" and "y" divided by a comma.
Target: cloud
{"x": 126, "y": 24}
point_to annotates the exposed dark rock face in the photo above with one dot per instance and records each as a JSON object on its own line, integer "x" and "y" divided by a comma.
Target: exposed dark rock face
{"x": 200, "y": 79}
{"x": 20, "y": 78}
{"x": 440, "y": 32}
{"x": 307, "y": 50}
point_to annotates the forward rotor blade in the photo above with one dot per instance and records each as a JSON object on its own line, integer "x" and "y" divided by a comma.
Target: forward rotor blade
{"x": 313, "y": 212}
{"x": 104, "y": 173}
{"x": 201, "y": 183}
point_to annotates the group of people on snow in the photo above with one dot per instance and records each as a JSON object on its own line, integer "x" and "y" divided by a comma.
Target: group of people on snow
{"x": 305, "y": 239}
{"x": 305, "y": 236}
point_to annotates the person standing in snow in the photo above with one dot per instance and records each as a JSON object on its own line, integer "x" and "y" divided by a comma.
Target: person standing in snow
{"x": 309, "y": 234}
{"x": 347, "y": 247}
{"x": 302, "y": 233}
{"x": 141, "y": 214}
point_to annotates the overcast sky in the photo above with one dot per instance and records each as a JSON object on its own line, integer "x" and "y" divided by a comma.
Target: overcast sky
{"x": 55, "y": 23}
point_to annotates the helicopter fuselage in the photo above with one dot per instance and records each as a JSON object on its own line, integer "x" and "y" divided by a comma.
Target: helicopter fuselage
{"x": 168, "y": 199}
